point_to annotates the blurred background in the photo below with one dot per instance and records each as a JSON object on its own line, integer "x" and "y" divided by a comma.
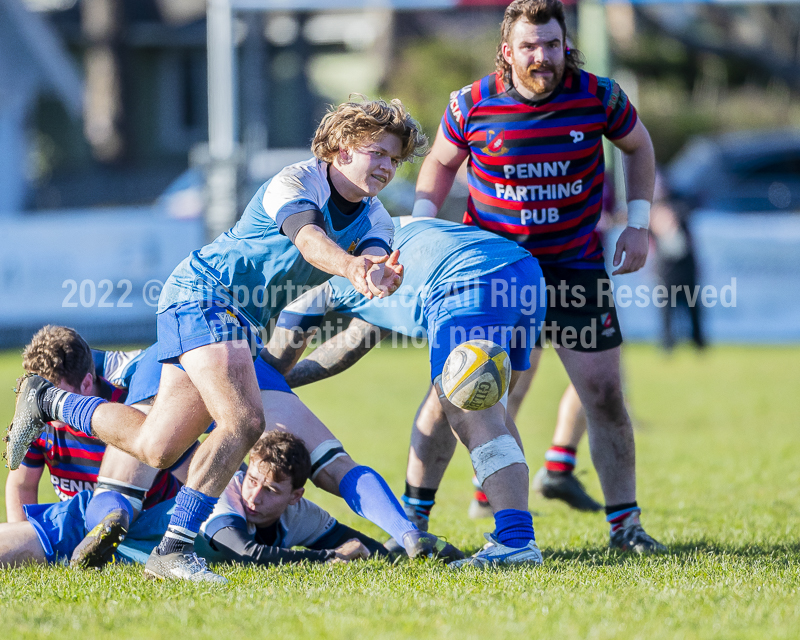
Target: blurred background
{"x": 132, "y": 131}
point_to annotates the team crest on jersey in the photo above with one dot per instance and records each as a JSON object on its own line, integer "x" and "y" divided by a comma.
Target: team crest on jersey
{"x": 353, "y": 246}
{"x": 495, "y": 142}
{"x": 228, "y": 317}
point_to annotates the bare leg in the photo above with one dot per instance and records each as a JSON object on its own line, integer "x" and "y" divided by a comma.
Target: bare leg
{"x": 432, "y": 444}
{"x": 596, "y": 376}
{"x": 524, "y": 379}
{"x": 19, "y": 544}
{"x": 571, "y": 422}
{"x": 224, "y": 376}
{"x": 508, "y": 487}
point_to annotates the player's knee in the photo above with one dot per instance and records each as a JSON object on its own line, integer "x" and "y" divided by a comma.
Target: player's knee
{"x": 607, "y": 401}
{"x": 159, "y": 457}
{"x": 323, "y": 458}
{"x": 251, "y": 427}
{"x": 495, "y": 455}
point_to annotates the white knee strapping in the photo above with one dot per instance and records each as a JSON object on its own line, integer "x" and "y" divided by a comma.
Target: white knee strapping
{"x": 134, "y": 494}
{"x": 324, "y": 454}
{"x": 490, "y": 457}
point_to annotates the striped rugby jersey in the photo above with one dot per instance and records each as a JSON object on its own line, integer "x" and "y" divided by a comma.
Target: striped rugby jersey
{"x": 73, "y": 458}
{"x": 535, "y": 169}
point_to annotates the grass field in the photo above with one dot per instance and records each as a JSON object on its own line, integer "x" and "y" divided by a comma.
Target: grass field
{"x": 718, "y": 440}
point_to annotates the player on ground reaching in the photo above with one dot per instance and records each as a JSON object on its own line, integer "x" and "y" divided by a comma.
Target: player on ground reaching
{"x": 314, "y": 219}
{"x": 532, "y": 134}
{"x": 465, "y": 284}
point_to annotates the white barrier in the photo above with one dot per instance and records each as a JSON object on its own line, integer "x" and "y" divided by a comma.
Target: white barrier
{"x": 89, "y": 269}
{"x": 755, "y": 255}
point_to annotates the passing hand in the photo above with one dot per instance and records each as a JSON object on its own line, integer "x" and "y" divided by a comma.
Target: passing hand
{"x": 634, "y": 243}
{"x": 383, "y": 280}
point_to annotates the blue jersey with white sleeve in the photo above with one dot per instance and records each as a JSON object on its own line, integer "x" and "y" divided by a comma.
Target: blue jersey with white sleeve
{"x": 257, "y": 269}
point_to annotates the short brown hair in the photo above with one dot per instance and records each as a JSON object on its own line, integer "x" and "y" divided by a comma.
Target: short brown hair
{"x": 359, "y": 120}
{"x": 58, "y": 354}
{"x": 284, "y": 455}
{"x": 536, "y": 12}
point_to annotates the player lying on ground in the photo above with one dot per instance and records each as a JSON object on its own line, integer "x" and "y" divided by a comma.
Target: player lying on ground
{"x": 532, "y": 133}
{"x": 261, "y": 515}
{"x": 314, "y": 219}
{"x": 452, "y": 294}
{"x": 122, "y": 486}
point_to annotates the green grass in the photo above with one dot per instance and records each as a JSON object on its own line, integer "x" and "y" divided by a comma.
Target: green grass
{"x": 718, "y": 452}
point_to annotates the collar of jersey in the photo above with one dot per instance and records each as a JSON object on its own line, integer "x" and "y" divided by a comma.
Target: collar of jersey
{"x": 516, "y": 95}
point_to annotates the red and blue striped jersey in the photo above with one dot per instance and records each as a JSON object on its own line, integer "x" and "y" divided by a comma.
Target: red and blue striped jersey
{"x": 73, "y": 458}
{"x": 535, "y": 169}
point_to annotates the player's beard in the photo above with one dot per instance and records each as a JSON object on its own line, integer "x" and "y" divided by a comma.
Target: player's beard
{"x": 537, "y": 84}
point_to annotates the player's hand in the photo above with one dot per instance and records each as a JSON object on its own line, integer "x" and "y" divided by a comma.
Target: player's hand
{"x": 634, "y": 243}
{"x": 383, "y": 280}
{"x": 353, "y": 549}
{"x": 358, "y": 269}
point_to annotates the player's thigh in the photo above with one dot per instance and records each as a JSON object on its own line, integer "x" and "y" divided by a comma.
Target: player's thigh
{"x": 224, "y": 377}
{"x": 430, "y": 418}
{"x": 176, "y": 419}
{"x": 596, "y": 378}
{"x": 19, "y": 544}
{"x": 286, "y": 412}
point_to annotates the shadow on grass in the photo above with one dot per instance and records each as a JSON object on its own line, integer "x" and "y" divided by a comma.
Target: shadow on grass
{"x": 602, "y": 556}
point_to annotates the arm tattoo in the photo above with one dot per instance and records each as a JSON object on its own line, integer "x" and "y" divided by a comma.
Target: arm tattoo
{"x": 337, "y": 354}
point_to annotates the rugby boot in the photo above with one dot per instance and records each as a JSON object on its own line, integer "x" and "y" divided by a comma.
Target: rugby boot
{"x": 180, "y": 566}
{"x": 496, "y": 554}
{"x": 633, "y": 538}
{"x": 566, "y": 487}
{"x": 393, "y": 546}
{"x": 29, "y": 419}
{"x": 96, "y": 549}
{"x": 421, "y": 544}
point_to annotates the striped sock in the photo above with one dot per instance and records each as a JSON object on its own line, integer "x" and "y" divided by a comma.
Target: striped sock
{"x": 560, "y": 459}
{"x": 192, "y": 508}
{"x": 419, "y": 501}
{"x": 617, "y": 514}
{"x": 480, "y": 496}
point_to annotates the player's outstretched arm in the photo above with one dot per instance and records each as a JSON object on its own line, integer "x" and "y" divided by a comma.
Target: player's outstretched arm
{"x": 237, "y": 546}
{"x": 337, "y": 354}
{"x": 436, "y": 176}
{"x": 320, "y": 251}
{"x": 22, "y": 487}
{"x": 347, "y": 541}
{"x": 639, "y": 167}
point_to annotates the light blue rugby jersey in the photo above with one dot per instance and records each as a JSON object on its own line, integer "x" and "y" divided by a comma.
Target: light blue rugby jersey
{"x": 259, "y": 268}
{"x": 437, "y": 256}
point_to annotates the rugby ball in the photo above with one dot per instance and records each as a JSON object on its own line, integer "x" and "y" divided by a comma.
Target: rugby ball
{"x": 476, "y": 375}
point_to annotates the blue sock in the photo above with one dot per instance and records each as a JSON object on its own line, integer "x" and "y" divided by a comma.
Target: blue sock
{"x": 192, "y": 509}
{"x": 366, "y": 493}
{"x": 77, "y": 411}
{"x": 513, "y": 527}
{"x": 104, "y": 503}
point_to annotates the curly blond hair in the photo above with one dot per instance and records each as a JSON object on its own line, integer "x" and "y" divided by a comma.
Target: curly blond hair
{"x": 536, "y": 12}
{"x": 58, "y": 354}
{"x": 360, "y": 121}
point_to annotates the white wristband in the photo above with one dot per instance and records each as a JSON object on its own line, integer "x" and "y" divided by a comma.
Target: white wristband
{"x": 639, "y": 214}
{"x": 424, "y": 208}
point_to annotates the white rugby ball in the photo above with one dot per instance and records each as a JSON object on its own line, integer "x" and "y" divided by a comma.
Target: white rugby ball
{"x": 476, "y": 375}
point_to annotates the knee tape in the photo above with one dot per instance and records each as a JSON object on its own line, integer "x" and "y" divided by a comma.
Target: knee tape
{"x": 324, "y": 454}
{"x": 134, "y": 494}
{"x": 490, "y": 457}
